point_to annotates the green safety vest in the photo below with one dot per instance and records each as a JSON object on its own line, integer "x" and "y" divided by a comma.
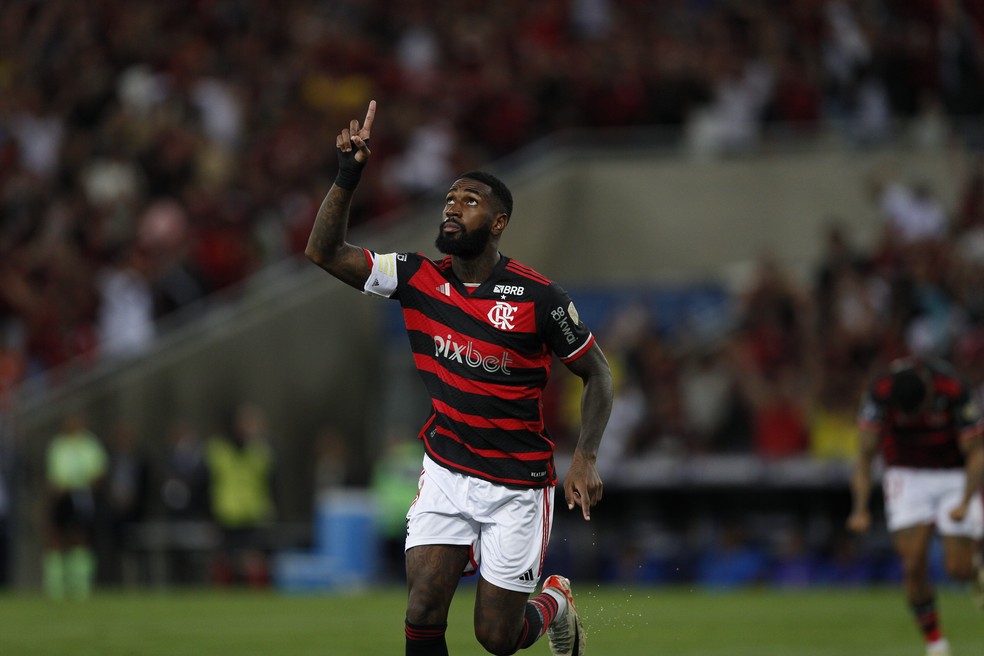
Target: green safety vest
{"x": 75, "y": 461}
{"x": 240, "y": 483}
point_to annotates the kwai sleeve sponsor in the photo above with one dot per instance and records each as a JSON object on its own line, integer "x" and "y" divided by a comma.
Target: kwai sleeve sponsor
{"x": 564, "y": 332}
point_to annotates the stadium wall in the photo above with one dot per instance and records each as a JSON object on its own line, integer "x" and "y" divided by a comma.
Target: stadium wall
{"x": 638, "y": 218}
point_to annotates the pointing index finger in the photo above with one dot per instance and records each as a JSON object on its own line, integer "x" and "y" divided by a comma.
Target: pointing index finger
{"x": 370, "y": 116}
{"x": 586, "y": 506}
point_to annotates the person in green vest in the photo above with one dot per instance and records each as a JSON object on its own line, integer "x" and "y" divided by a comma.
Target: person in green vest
{"x": 76, "y": 463}
{"x": 240, "y": 468}
{"x": 395, "y": 476}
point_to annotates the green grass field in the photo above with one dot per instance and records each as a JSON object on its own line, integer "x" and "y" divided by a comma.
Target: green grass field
{"x": 620, "y": 622}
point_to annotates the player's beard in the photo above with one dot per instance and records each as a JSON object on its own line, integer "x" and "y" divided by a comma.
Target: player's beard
{"x": 467, "y": 244}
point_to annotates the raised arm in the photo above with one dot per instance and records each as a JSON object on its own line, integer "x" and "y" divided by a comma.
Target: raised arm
{"x": 326, "y": 245}
{"x": 583, "y": 486}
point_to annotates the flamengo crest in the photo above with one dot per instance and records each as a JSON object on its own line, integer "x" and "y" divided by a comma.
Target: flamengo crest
{"x": 502, "y": 315}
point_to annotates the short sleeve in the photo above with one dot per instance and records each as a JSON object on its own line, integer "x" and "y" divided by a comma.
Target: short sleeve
{"x": 970, "y": 423}
{"x": 871, "y": 415}
{"x": 564, "y": 332}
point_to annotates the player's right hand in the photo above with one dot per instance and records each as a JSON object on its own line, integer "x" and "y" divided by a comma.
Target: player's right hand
{"x": 355, "y": 137}
{"x": 859, "y": 521}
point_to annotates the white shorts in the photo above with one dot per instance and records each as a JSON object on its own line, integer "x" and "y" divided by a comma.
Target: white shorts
{"x": 507, "y": 529}
{"x": 925, "y": 496}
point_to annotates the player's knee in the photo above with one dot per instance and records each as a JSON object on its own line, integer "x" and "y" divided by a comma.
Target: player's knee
{"x": 421, "y": 611}
{"x": 914, "y": 566}
{"x": 960, "y": 570}
{"x": 496, "y": 642}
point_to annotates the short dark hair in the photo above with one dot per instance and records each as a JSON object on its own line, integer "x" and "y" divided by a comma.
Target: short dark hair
{"x": 500, "y": 191}
{"x": 908, "y": 390}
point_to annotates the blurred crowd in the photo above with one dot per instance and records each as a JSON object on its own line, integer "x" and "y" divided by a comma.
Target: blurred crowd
{"x": 154, "y": 154}
{"x": 783, "y": 368}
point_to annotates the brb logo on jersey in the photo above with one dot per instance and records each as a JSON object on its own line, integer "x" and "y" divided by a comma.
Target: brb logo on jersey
{"x": 503, "y": 315}
{"x": 509, "y": 289}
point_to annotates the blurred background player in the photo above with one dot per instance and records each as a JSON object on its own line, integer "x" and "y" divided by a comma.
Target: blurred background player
{"x": 930, "y": 434}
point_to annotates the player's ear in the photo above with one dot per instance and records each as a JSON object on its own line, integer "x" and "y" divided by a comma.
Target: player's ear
{"x": 499, "y": 223}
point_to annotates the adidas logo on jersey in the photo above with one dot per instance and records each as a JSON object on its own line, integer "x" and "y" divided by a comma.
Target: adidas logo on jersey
{"x": 444, "y": 289}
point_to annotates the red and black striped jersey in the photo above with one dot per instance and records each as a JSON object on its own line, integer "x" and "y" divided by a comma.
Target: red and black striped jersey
{"x": 484, "y": 354}
{"x": 930, "y": 438}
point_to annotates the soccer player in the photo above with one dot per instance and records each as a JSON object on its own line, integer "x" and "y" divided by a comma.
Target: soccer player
{"x": 930, "y": 434}
{"x": 483, "y": 329}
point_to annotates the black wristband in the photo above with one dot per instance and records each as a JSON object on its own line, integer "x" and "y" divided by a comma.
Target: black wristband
{"x": 349, "y": 170}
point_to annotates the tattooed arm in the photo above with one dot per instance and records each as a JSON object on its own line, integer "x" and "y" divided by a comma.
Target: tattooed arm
{"x": 582, "y": 485}
{"x": 326, "y": 246}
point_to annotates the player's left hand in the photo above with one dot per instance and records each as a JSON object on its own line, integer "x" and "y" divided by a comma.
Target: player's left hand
{"x": 958, "y": 512}
{"x": 582, "y": 486}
